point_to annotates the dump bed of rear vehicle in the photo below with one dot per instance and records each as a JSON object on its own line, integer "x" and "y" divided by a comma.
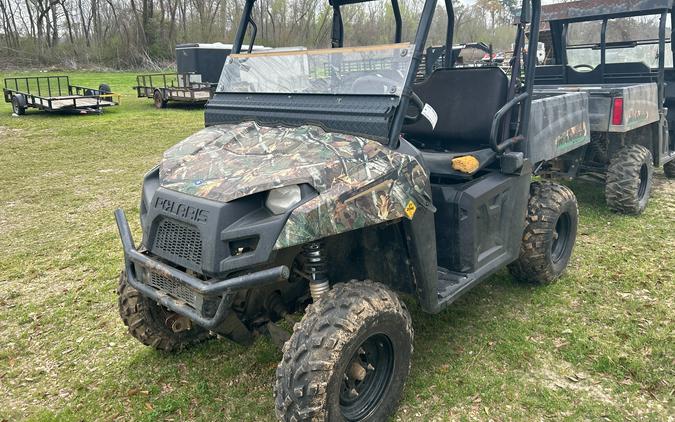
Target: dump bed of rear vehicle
{"x": 639, "y": 103}
{"x": 559, "y": 123}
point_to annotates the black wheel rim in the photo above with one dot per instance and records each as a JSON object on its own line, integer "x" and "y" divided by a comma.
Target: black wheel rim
{"x": 561, "y": 237}
{"x": 367, "y": 377}
{"x": 644, "y": 179}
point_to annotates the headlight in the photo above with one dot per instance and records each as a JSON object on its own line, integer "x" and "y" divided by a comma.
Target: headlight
{"x": 280, "y": 200}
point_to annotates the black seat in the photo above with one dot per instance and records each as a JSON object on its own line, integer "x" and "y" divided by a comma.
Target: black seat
{"x": 466, "y": 101}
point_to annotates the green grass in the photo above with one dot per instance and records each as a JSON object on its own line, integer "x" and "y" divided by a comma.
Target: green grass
{"x": 598, "y": 344}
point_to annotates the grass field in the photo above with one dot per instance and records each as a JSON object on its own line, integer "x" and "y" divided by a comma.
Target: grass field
{"x": 599, "y": 344}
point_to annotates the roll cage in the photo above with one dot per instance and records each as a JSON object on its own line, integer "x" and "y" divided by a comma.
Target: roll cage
{"x": 561, "y": 16}
{"x": 377, "y": 118}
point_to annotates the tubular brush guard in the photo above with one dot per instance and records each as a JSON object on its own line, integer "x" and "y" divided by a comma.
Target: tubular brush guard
{"x": 133, "y": 259}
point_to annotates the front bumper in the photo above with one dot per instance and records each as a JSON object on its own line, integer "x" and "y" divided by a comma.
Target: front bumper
{"x": 221, "y": 290}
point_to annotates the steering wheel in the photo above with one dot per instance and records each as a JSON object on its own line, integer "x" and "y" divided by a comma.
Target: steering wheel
{"x": 584, "y": 66}
{"x": 417, "y": 102}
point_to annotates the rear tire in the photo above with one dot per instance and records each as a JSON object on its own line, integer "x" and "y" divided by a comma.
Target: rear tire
{"x": 669, "y": 169}
{"x": 159, "y": 100}
{"x": 550, "y": 233}
{"x": 104, "y": 88}
{"x": 17, "y": 107}
{"x": 348, "y": 358}
{"x": 629, "y": 180}
{"x": 146, "y": 321}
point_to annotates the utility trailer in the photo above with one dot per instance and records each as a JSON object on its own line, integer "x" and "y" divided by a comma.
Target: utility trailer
{"x": 55, "y": 93}
{"x": 615, "y": 51}
{"x": 180, "y": 87}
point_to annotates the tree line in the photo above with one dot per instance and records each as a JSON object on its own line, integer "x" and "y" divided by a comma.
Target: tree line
{"x": 125, "y": 34}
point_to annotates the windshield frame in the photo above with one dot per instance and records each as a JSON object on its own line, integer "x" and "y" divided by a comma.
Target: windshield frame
{"x": 328, "y": 71}
{"x": 337, "y": 36}
{"x": 603, "y": 46}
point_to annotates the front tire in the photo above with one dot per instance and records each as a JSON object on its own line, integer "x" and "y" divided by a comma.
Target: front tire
{"x": 629, "y": 180}
{"x": 549, "y": 236}
{"x": 348, "y": 358}
{"x": 669, "y": 169}
{"x": 147, "y": 321}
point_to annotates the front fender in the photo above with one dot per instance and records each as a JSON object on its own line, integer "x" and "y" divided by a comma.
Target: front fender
{"x": 385, "y": 190}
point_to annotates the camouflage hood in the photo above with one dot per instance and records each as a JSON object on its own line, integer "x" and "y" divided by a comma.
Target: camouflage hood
{"x": 226, "y": 162}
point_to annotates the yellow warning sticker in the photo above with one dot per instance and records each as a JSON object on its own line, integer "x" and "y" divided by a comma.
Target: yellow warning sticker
{"x": 410, "y": 209}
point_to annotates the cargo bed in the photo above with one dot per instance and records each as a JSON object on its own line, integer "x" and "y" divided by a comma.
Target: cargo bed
{"x": 559, "y": 123}
{"x": 639, "y": 103}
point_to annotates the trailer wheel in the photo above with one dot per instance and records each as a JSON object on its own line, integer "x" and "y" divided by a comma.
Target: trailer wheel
{"x": 150, "y": 323}
{"x": 629, "y": 180}
{"x": 550, "y": 233}
{"x": 669, "y": 169}
{"x": 104, "y": 89}
{"x": 348, "y": 358}
{"x": 160, "y": 102}
{"x": 18, "y": 106}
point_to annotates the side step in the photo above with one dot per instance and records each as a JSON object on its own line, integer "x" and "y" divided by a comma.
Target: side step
{"x": 452, "y": 285}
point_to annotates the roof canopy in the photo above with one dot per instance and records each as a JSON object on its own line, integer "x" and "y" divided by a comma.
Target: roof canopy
{"x": 584, "y": 10}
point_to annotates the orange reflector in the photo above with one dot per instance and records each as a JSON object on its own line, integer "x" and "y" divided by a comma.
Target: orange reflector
{"x": 465, "y": 164}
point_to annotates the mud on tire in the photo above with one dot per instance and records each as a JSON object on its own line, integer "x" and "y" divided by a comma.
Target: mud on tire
{"x": 669, "y": 169}
{"x": 145, "y": 320}
{"x": 348, "y": 358}
{"x": 629, "y": 180}
{"x": 549, "y": 236}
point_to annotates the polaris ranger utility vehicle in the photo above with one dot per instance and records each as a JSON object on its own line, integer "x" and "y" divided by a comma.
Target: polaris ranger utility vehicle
{"x": 620, "y": 52}
{"x": 325, "y": 182}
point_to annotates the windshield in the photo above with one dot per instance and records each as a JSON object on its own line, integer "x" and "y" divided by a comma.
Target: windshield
{"x": 374, "y": 70}
{"x": 631, "y": 39}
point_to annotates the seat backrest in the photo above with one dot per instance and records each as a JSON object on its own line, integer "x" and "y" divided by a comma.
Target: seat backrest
{"x": 466, "y": 101}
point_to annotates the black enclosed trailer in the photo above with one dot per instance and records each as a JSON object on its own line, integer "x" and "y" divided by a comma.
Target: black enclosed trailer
{"x": 206, "y": 60}
{"x": 55, "y": 93}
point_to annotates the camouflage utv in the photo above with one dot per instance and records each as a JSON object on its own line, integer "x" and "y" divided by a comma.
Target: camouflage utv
{"x": 326, "y": 182}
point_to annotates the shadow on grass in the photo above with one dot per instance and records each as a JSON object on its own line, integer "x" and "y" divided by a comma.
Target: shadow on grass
{"x": 175, "y": 105}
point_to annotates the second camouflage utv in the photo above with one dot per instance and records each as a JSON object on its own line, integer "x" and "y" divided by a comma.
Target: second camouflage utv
{"x": 325, "y": 183}
{"x": 620, "y": 52}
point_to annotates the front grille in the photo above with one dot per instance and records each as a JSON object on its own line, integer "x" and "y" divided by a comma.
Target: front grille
{"x": 179, "y": 242}
{"x": 173, "y": 288}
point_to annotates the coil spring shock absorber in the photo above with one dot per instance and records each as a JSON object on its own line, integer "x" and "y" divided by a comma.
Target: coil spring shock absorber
{"x": 315, "y": 267}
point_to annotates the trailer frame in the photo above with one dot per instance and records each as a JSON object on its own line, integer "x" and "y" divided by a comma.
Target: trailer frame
{"x": 56, "y": 93}
{"x": 173, "y": 86}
